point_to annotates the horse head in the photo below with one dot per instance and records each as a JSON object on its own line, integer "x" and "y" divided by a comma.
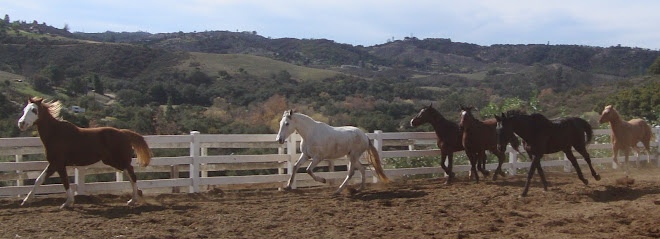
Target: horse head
{"x": 466, "y": 117}
{"x": 608, "y": 113}
{"x": 286, "y": 128}
{"x": 30, "y": 113}
{"x": 425, "y": 115}
{"x": 505, "y": 135}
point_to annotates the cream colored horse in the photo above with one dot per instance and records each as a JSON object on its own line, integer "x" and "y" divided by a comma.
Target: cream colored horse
{"x": 626, "y": 134}
{"x": 321, "y": 141}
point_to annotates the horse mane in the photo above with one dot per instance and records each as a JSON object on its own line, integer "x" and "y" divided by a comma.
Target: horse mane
{"x": 54, "y": 107}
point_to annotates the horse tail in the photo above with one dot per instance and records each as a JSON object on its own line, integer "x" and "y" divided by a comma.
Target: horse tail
{"x": 587, "y": 129}
{"x": 374, "y": 159}
{"x": 140, "y": 146}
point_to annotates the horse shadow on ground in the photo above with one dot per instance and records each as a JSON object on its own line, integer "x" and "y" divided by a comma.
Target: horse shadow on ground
{"x": 519, "y": 182}
{"x": 112, "y": 212}
{"x": 378, "y": 195}
{"x": 621, "y": 193}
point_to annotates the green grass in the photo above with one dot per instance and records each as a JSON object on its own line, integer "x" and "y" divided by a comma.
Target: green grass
{"x": 254, "y": 65}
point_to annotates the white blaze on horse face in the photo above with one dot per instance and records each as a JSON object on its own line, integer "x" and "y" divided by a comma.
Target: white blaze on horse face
{"x": 30, "y": 115}
{"x": 285, "y": 129}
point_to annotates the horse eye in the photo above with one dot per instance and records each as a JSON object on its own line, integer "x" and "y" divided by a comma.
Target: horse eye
{"x": 34, "y": 111}
{"x": 287, "y": 123}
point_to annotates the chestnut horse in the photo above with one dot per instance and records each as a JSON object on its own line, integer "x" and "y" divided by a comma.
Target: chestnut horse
{"x": 544, "y": 136}
{"x": 479, "y": 136}
{"x": 449, "y": 136}
{"x": 68, "y": 145}
{"x": 626, "y": 135}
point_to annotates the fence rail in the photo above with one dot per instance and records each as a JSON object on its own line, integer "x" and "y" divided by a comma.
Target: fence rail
{"x": 198, "y": 163}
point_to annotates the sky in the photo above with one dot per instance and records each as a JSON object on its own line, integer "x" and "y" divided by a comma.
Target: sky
{"x": 603, "y": 23}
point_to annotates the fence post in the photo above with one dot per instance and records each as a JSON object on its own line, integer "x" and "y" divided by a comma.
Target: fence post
{"x": 280, "y": 170}
{"x": 79, "y": 174}
{"x": 291, "y": 151}
{"x": 19, "y": 181}
{"x": 657, "y": 140}
{"x": 378, "y": 144}
{"x": 513, "y": 160}
{"x": 205, "y": 173}
{"x": 194, "y": 166}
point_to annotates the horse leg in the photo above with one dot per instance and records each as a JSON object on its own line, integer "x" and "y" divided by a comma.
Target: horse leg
{"x": 133, "y": 178}
{"x": 587, "y": 157}
{"x": 473, "y": 166}
{"x": 448, "y": 171}
{"x": 40, "y": 180}
{"x": 571, "y": 157}
{"x": 450, "y": 165}
{"x": 481, "y": 157}
{"x": 360, "y": 167}
{"x": 626, "y": 153}
{"x": 530, "y": 173}
{"x": 615, "y": 154}
{"x": 648, "y": 150}
{"x": 500, "y": 161}
{"x": 539, "y": 169}
{"x": 351, "y": 171}
{"x": 303, "y": 158}
{"x": 310, "y": 169}
{"x": 65, "y": 181}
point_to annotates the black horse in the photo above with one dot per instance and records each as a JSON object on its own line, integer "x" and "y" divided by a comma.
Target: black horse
{"x": 544, "y": 136}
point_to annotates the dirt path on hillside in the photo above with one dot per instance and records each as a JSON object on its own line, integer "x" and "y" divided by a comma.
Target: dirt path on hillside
{"x": 424, "y": 208}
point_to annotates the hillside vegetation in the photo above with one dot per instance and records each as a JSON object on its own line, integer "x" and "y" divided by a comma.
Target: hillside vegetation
{"x": 241, "y": 82}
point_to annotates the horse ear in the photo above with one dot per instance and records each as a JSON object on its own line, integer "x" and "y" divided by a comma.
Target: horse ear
{"x": 503, "y": 116}
{"x": 497, "y": 118}
{"x": 30, "y": 100}
{"x": 431, "y": 105}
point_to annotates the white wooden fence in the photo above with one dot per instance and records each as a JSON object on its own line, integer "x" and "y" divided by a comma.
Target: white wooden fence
{"x": 198, "y": 163}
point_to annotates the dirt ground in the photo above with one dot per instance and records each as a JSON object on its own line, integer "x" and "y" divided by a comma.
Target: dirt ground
{"x": 422, "y": 208}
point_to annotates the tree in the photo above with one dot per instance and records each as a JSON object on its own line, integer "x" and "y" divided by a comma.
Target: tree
{"x": 6, "y": 19}
{"x": 41, "y": 83}
{"x": 654, "y": 69}
{"x": 55, "y": 74}
{"x": 76, "y": 86}
{"x": 98, "y": 85}
{"x": 66, "y": 27}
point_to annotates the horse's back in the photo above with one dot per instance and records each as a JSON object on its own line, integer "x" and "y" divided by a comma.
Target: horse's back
{"x": 335, "y": 142}
{"x": 641, "y": 131}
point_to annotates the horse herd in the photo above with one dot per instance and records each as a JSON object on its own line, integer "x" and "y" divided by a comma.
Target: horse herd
{"x": 68, "y": 145}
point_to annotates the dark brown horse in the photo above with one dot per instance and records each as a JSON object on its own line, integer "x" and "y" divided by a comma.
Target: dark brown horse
{"x": 544, "y": 136}
{"x": 479, "y": 136}
{"x": 449, "y": 136}
{"x": 626, "y": 135}
{"x": 67, "y": 145}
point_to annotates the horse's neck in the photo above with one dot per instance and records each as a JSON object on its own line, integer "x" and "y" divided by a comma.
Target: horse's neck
{"x": 522, "y": 127}
{"x": 443, "y": 127}
{"x": 49, "y": 127}
{"x": 305, "y": 125}
{"x": 616, "y": 122}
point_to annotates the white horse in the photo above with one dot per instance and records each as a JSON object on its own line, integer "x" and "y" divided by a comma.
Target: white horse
{"x": 321, "y": 141}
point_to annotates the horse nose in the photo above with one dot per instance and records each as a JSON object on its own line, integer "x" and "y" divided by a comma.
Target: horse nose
{"x": 280, "y": 140}
{"x": 21, "y": 125}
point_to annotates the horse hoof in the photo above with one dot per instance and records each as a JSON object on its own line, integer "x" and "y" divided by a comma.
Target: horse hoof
{"x": 586, "y": 182}
{"x": 25, "y": 203}
{"x": 287, "y": 188}
{"x": 131, "y": 202}
{"x": 597, "y": 177}
{"x": 323, "y": 180}
{"x": 66, "y": 205}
